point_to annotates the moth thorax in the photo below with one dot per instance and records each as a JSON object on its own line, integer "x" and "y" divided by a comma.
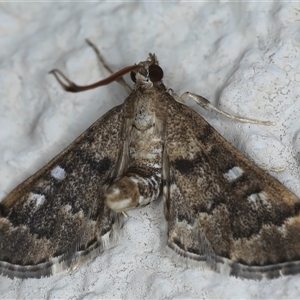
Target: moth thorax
{"x": 122, "y": 195}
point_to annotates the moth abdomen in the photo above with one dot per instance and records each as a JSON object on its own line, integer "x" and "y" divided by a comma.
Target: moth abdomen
{"x": 138, "y": 187}
{"x": 122, "y": 195}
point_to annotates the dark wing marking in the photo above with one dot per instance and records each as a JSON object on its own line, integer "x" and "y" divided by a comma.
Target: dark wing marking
{"x": 221, "y": 208}
{"x": 57, "y": 217}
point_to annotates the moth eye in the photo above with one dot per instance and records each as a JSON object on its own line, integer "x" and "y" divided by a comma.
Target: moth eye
{"x": 155, "y": 73}
{"x": 132, "y": 76}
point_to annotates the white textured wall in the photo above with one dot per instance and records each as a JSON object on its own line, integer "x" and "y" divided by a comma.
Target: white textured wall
{"x": 243, "y": 57}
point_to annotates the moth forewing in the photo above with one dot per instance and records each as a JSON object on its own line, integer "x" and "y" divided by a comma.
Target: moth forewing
{"x": 220, "y": 207}
{"x": 51, "y": 221}
{"x": 249, "y": 219}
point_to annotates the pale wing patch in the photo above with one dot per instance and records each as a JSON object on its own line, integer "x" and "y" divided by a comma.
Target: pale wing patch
{"x": 58, "y": 173}
{"x": 261, "y": 197}
{"x": 37, "y": 199}
{"x": 156, "y": 166}
{"x": 253, "y": 198}
{"x": 234, "y": 174}
{"x": 67, "y": 208}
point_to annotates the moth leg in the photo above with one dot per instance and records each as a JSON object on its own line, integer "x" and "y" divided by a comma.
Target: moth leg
{"x": 207, "y": 105}
{"x": 135, "y": 189}
{"x": 275, "y": 170}
{"x": 121, "y": 80}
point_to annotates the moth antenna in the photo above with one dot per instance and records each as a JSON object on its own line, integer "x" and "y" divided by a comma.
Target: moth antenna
{"x": 105, "y": 65}
{"x": 74, "y": 88}
{"x": 99, "y": 56}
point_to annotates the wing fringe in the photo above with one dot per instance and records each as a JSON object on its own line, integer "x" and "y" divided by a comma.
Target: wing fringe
{"x": 228, "y": 267}
{"x": 71, "y": 260}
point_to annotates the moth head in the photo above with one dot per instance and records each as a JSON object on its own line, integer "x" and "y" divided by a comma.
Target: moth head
{"x": 149, "y": 72}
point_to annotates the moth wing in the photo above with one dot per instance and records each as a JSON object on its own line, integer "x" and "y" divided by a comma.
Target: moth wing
{"x": 223, "y": 209}
{"x": 57, "y": 217}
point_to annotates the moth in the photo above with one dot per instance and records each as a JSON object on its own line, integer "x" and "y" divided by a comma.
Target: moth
{"x": 220, "y": 208}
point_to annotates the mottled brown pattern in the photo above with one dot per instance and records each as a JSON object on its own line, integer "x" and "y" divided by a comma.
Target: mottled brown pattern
{"x": 220, "y": 207}
{"x": 73, "y": 215}
{"x": 252, "y": 237}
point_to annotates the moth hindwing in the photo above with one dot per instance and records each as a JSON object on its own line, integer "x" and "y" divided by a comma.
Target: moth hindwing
{"x": 220, "y": 207}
